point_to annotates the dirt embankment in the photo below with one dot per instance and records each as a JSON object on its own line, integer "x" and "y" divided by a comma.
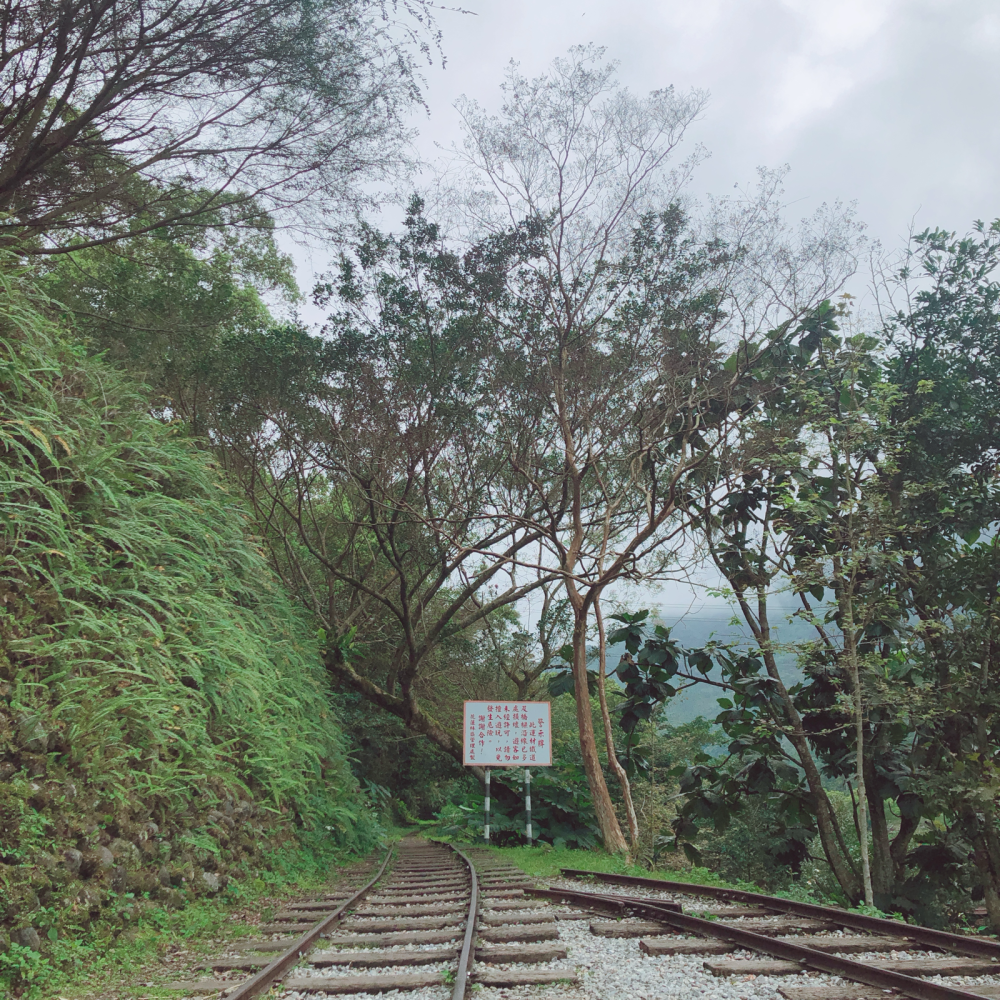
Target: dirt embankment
{"x": 72, "y": 853}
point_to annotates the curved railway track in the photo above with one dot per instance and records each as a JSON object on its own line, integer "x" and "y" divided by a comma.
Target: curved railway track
{"x": 770, "y": 936}
{"x": 427, "y": 916}
{"x": 440, "y": 920}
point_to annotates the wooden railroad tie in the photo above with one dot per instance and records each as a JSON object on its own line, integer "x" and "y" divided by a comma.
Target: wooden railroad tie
{"x": 385, "y": 958}
{"x": 415, "y": 981}
{"x": 405, "y": 924}
{"x": 834, "y": 945}
{"x": 855, "y": 991}
{"x": 403, "y": 900}
{"x": 521, "y": 953}
{"x": 416, "y": 911}
{"x": 524, "y": 977}
{"x": 524, "y": 932}
{"x": 391, "y": 940}
{"x": 525, "y": 917}
{"x": 775, "y": 928}
{"x": 364, "y": 984}
{"x": 944, "y": 966}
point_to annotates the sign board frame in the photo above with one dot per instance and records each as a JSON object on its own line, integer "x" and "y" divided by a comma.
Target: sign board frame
{"x": 533, "y": 725}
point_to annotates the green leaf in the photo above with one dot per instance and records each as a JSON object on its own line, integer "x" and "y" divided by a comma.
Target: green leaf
{"x": 692, "y": 852}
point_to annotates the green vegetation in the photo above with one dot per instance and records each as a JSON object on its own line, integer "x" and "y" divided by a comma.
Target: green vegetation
{"x": 544, "y": 861}
{"x": 98, "y": 962}
{"x": 143, "y": 622}
{"x": 249, "y": 570}
{"x": 164, "y": 717}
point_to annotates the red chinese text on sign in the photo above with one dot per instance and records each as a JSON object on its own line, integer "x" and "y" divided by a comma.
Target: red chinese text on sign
{"x": 507, "y": 733}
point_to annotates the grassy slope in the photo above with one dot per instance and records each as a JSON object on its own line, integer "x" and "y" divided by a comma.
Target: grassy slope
{"x": 163, "y": 709}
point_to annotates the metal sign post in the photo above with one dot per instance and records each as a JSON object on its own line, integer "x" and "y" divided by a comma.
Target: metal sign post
{"x": 507, "y": 734}
{"x": 486, "y": 809}
{"x": 527, "y": 802}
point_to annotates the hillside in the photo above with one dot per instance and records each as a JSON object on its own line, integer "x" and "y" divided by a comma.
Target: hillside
{"x": 164, "y": 718}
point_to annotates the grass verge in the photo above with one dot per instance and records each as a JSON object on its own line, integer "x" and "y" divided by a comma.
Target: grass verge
{"x": 545, "y": 862}
{"x": 165, "y": 945}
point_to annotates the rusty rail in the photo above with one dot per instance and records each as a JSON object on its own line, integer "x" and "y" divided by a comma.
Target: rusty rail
{"x": 810, "y": 958}
{"x": 281, "y": 965}
{"x": 960, "y": 944}
{"x": 465, "y": 958}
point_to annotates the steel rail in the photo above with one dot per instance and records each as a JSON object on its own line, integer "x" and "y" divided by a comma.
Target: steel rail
{"x": 961, "y": 944}
{"x": 918, "y": 989}
{"x": 281, "y": 965}
{"x": 595, "y": 901}
{"x": 465, "y": 957}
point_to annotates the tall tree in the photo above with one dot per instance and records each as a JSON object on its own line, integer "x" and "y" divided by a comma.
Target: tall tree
{"x": 800, "y": 511}
{"x": 874, "y": 501}
{"x": 615, "y": 312}
{"x": 941, "y": 312}
{"x": 376, "y": 479}
{"x": 123, "y": 116}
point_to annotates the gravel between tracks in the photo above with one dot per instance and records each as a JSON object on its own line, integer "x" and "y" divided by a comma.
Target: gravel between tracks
{"x": 615, "y": 968}
{"x": 427, "y": 993}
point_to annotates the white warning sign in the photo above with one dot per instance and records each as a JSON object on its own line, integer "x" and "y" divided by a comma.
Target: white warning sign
{"x": 508, "y": 733}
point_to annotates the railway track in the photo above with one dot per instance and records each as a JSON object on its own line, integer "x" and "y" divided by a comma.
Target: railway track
{"x": 437, "y": 920}
{"x": 427, "y": 917}
{"x": 826, "y": 953}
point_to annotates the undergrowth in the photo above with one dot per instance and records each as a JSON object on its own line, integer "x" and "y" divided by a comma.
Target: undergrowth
{"x": 152, "y": 667}
{"x": 95, "y": 963}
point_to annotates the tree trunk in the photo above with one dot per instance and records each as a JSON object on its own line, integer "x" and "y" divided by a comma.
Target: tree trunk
{"x": 846, "y": 607}
{"x": 901, "y": 842}
{"x": 883, "y": 873}
{"x": 826, "y": 821}
{"x": 859, "y": 766}
{"x": 987, "y": 860}
{"x": 607, "y": 821}
{"x": 633, "y": 823}
{"x": 412, "y": 715}
{"x": 884, "y": 866}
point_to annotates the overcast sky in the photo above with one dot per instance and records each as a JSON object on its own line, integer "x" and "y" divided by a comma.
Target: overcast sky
{"x": 893, "y": 104}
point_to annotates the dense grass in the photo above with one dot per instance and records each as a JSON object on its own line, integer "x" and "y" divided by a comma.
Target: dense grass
{"x": 82, "y": 968}
{"x": 161, "y": 697}
{"x": 140, "y": 628}
{"x": 545, "y": 862}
